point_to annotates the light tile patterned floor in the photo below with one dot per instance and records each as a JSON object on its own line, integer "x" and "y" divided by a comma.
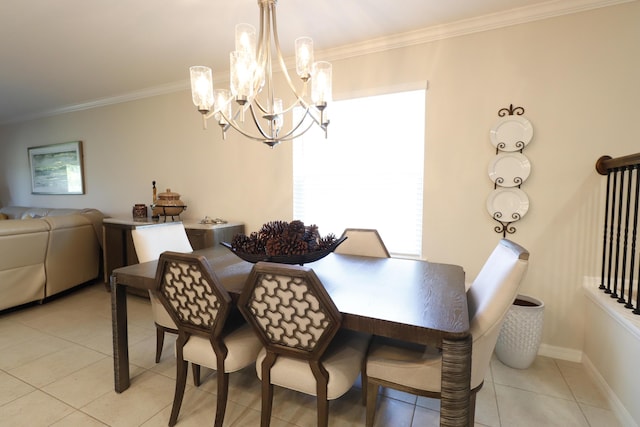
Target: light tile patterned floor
{"x": 56, "y": 369}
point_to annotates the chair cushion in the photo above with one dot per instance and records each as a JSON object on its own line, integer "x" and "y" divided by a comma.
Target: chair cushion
{"x": 243, "y": 345}
{"x": 405, "y": 363}
{"x": 342, "y": 360}
{"x": 151, "y": 240}
{"x": 160, "y": 315}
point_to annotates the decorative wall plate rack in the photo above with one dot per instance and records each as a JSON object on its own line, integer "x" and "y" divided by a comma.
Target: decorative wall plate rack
{"x": 507, "y": 203}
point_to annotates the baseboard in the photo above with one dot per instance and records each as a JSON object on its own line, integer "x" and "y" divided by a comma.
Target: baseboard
{"x": 572, "y": 355}
{"x": 616, "y": 406}
{"x": 561, "y": 353}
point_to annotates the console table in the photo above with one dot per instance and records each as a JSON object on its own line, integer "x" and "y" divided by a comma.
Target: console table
{"x": 119, "y": 251}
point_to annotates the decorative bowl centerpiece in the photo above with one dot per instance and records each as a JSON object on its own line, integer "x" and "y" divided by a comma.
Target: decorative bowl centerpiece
{"x": 168, "y": 204}
{"x": 284, "y": 242}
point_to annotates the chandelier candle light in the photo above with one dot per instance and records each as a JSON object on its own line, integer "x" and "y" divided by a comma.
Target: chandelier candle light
{"x": 252, "y": 85}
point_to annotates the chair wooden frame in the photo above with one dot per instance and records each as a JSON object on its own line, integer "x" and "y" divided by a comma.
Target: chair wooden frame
{"x": 214, "y": 332}
{"x": 379, "y": 246}
{"x": 275, "y": 348}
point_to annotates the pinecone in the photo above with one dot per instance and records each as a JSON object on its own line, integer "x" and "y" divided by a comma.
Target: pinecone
{"x": 312, "y": 237}
{"x": 272, "y": 229}
{"x": 326, "y": 241}
{"x": 296, "y": 230}
{"x": 249, "y": 245}
{"x": 284, "y": 245}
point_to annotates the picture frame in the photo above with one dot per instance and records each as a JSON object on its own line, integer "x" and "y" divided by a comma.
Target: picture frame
{"x": 57, "y": 168}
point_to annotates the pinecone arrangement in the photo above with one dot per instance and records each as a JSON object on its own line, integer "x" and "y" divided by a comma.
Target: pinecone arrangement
{"x": 283, "y": 238}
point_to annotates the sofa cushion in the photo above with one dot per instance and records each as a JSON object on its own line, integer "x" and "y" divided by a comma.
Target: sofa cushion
{"x": 35, "y": 213}
{"x": 14, "y": 212}
{"x": 25, "y": 212}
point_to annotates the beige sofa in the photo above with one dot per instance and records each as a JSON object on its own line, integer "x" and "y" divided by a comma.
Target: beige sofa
{"x": 46, "y": 251}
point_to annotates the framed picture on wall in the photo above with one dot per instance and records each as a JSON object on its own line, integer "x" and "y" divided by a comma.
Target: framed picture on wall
{"x": 57, "y": 168}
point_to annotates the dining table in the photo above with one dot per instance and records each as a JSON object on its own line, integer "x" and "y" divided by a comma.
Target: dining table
{"x": 406, "y": 299}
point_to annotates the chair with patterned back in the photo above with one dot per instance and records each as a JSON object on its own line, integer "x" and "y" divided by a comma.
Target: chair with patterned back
{"x": 364, "y": 242}
{"x": 150, "y": 241}
{"x": 299, "y": 325}
{"x": 417, "y": 369}
{"x": 207, "y": 336}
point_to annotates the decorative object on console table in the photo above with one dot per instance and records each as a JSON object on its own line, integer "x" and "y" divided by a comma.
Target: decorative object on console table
{"x": 139, "y": 211}
{"x": 168, "y": 204}
{"x": 507, "y": 203}
{"x": 154, "y": 212}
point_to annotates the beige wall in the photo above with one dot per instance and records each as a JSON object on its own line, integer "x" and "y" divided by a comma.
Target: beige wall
{"x": 576, "y": 76}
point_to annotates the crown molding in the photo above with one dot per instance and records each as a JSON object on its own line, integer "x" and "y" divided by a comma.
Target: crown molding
{"x": 103, "y": 102}
{"x": 478, "y": 24}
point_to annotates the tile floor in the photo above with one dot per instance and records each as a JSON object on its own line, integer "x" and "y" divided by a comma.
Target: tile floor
{"x": 56, "y": 369}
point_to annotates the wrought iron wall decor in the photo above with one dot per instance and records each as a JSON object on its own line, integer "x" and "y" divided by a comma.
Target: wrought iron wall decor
{"x": 507, "y": 203}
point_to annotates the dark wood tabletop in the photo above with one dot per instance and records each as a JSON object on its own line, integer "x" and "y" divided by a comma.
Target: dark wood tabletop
{"x": 406, "y": 299}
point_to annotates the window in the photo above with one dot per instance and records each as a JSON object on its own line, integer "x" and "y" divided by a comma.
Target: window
{"x": 368, "y": 173}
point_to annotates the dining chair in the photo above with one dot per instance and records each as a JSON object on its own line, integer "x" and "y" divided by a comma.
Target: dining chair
{"x": 363, "y": 242}
{"x": 417, "y": 369}
{"x": 299, "y": 325}
{"x": 150, "y": 241}
{"x": 211, "y": 332}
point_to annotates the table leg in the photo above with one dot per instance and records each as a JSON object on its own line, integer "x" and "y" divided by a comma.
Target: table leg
{"x": 120, "y": 338}
{"x": 456, "y": 383}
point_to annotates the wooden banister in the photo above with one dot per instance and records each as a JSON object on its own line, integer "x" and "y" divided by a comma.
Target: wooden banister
{"x": 605, "y": 163}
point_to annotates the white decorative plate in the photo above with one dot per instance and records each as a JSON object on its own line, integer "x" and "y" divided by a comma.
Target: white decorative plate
{"x": 509, "y": 169}
{"x": 507, "y": 204}
{"x": 511, "y": 133}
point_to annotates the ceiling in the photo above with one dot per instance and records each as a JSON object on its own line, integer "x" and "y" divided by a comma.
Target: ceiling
{"x": 65, "y": 55}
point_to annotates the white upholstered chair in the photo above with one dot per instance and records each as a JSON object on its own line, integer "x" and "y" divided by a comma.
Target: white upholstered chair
{"x": 150, "y": 241}
{"x": 299, "y": 325}
{"x": 209, "y": 334}
{"x": 417, "y": 369}
{"x": 364, "y": 242}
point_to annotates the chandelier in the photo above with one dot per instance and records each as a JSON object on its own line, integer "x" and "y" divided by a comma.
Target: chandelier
{"x": 252, "y": 86}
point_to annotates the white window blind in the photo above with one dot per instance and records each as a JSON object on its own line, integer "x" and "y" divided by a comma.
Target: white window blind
{"x": 368, "y": 173}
